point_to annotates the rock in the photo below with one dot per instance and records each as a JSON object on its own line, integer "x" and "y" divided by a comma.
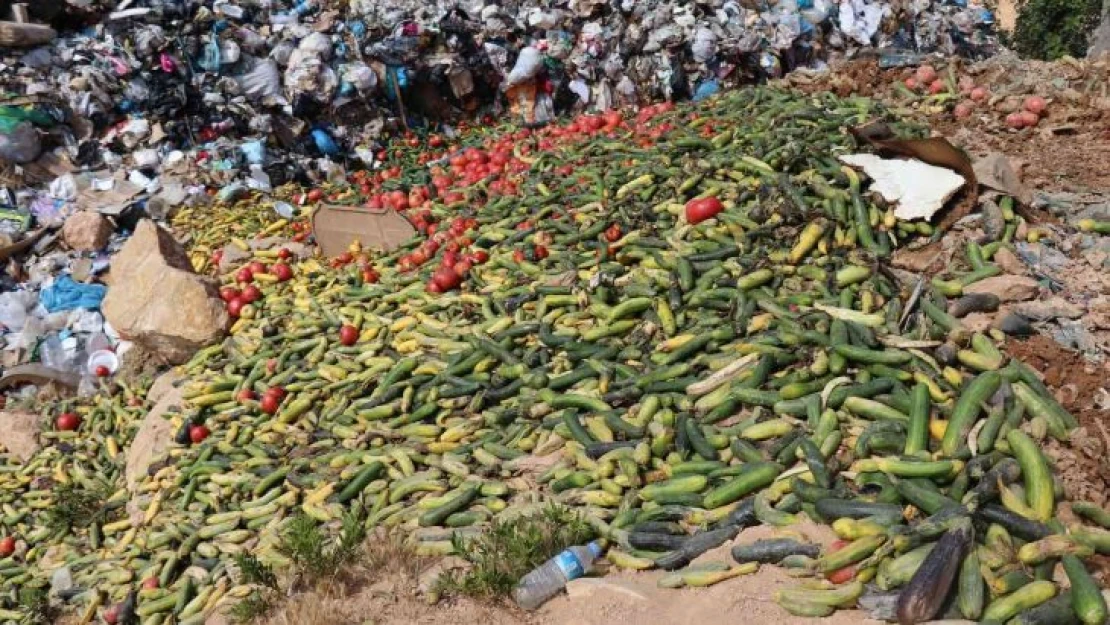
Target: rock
{"x": 1008, "y": 287}
{"x": 978, "y": 322}
{"x": 61, "y": 581}
{"x": 1100, "y": 38}
{"x": 86, "y": 231}
{"x": 154, "y": 436}
{"x": 995, "y": 171}
{"x": 923, "y": 259}
{"x": 429, "y": 579}
{"x": 164, "y": 385}
{"x": 1014, "y": 324}
{"x": 1008, "y": 262}
{"x": 589, "y": 587}
{"x": 1073, "y": 335}
{"x": 21, "y": 433}
{"x": 1047, "y": 309}
{"x": 157, "y": 301}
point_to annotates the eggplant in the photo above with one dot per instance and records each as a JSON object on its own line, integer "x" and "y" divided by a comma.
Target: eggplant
{"x": 924, "y": 596}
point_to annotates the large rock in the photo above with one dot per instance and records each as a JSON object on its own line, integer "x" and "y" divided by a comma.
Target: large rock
{"x": 86, "y": 231}
{"x": 157, "y": 301}
{"x": 1008, "y": 288}
{"x": 156, "y": 433}
{"x": 20, "y": 433}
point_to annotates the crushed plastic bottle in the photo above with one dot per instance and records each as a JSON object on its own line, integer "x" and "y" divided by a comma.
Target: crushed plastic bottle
{"x": 537, "y": 587}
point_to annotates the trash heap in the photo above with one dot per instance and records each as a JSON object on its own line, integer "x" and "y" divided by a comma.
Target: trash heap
{"x": 679, "y": 325}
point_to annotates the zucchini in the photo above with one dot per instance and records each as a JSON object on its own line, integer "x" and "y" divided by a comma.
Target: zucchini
{"x": 756, "y": 475}
{"x": 843, "y": 508}
{"x": 924, "y": 595}
{"x": 773, "y": 550}
{"x": 1039, "y": 488}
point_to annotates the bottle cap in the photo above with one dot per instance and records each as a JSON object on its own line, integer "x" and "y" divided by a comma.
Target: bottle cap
{"x": 595, "y": 548}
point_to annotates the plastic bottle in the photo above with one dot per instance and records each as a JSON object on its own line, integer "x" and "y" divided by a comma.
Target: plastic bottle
{"x": 552, "y": 576}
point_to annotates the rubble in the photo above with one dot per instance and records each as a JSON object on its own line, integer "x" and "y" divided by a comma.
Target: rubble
{"x": 86, "y": 231}
{"x": 157, "y": 301}
{"x": 1008, "y": 288}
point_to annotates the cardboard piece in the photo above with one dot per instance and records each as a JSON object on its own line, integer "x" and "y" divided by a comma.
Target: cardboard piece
{"x": 336, "y": 227}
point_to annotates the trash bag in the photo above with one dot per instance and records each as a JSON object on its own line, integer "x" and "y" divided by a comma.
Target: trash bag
{"x": 528, "y": 65}
{"x": 262, "y": 78}
{"x": 21, "y": 144}
{"x": 210, "y": 59}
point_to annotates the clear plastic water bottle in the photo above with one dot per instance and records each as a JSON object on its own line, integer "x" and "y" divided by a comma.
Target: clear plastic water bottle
{"x": 552, "y": 576}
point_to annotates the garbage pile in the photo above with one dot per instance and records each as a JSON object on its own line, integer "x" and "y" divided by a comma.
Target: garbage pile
{"x": 140, "y": 108}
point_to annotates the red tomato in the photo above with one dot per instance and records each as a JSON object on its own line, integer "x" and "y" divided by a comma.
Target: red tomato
{"x": 698, "y": 211}
{"x": 348, "y": 335}
{"x": 432, "y": 287}
{"x": 369, "y": 276}
{"x": 613, "y": 233}
{"x": 7, "y": 546}
{"x": 270, "y": 403}
{"x": 251, "y": 294}
{"x": 518, "y": 256}
{"x": 235, "y": 307}
{"x": 229, "y": 293}
{"x": 244, "y": 275}
{"x": 285, "y": 254}
{"x": 217, "y": 257}
{"x": 842, "y": 576}
{"x": 246, "y": 395}
{"x": 276, "y": 391}
{"x": 435, "y": 141}
{"x": 481, "y": 256}
{"x": 446, "y": 278}
{"x": 151, "y": 583}
{"x": 102, "y": 371}
{"x": 315, "y": 195}
{"x": 67, "y": 422}
{"x": 283, "y": 272}
{"x": 198, "y": 433}
{"x": 462, "y": 267}
{"x": 540, "y": 252}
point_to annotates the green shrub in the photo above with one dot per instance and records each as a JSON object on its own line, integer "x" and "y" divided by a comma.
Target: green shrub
{"x": 1050, "y": 29}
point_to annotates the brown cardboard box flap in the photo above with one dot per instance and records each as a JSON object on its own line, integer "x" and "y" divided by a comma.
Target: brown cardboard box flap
{"x": 337, "y": 227}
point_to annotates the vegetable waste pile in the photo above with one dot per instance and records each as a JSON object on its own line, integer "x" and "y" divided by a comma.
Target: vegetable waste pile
{"x": 688, "y": 313}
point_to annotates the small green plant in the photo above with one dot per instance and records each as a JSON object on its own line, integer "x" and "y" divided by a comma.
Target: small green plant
{"x": 510, "y": 549}
{"x": 1050, "y": 29}
{"x": 77, "y": 507}
{"x": 315, "y": 557}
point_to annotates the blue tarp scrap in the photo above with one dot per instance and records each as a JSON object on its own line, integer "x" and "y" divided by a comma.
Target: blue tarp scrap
{"x": 66, "y": 294}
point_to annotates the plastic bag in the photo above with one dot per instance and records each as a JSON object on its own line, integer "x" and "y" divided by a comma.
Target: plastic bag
{"x": 14, "y": 306}
{"x": 261, "y": 80}
{"x": 528, "y": 64}
{"x": 21, "y": 144}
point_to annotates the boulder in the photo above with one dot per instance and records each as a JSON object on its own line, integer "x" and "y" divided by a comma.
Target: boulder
{"x": 1048, "y": 309}
{"x": 21, "y": 433}
{"x": 1008, "y": 287}
{"x": 86, "y": 231}
{"x": 157, "y": 301}
{"x": 1008, "y": 262}
{"x": 155, "y": 434}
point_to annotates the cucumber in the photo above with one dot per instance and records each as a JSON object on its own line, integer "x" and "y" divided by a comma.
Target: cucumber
{"x": 677, "y": 485}
{"x": 773, "y": 550}
{"x": 845, "y": 508}
{"x": 360, "y": 481}
{"x": 756, "y": 475}
{"x": 1039, "y": 488}
{"x": 467, "y": 493}
{"x": 971, "y": 590}
{"x": 1086, "y": 597}
{"x": 1029, "y": 596}
{"x": 967, "y": 410}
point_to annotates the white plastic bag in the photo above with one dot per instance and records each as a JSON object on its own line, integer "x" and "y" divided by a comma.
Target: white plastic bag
{"x": 22, "y": 144}
{"x": 262, "y": 80}
{"x": 528, "y": 65}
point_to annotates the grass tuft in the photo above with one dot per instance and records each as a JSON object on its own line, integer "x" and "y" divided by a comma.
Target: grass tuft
{"x": 509, "y": 550}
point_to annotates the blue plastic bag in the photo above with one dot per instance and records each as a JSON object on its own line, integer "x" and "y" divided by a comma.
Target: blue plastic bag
{"x": 65, "y": 294}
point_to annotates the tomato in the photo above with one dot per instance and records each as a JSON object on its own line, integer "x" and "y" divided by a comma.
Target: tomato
{"x": 348, "y": 335}
{"x": 285, "y": 254}
{"x": 449, "y": 259}
{"x": 151, "y": 583}
{"x": 276, "y": 391}
{"x": 67, "y": 422}
{"x": 435, "y": 141}
{"x": 229, "y": 293}
{"x": 462, "y": 267}
{"x": 7, "y": 546}
{"x": 315, "y": 195}
{"x": 102, "y": 371}
{"x": 369, "y": 276}
{"x": 283, "y": 272}
{"x": 518, "y": 256}
{"x": 698, "y": 211}
{"x": 446, "y": 279}
{"x": 198, "y": 433}
{"x": 613, "y": 233}
{"x": 246, "y": 395}
{"x": 844, "y": 575}
{"x": 235, "y": 307}
{"x": 540, "y": 252}
{"x": 217, "y": 257}
{"x": 270, "y": 403}
{"x": 481, "y": 256}
{"x": 244, "y": 275}
{"x": 250, "y": 294}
